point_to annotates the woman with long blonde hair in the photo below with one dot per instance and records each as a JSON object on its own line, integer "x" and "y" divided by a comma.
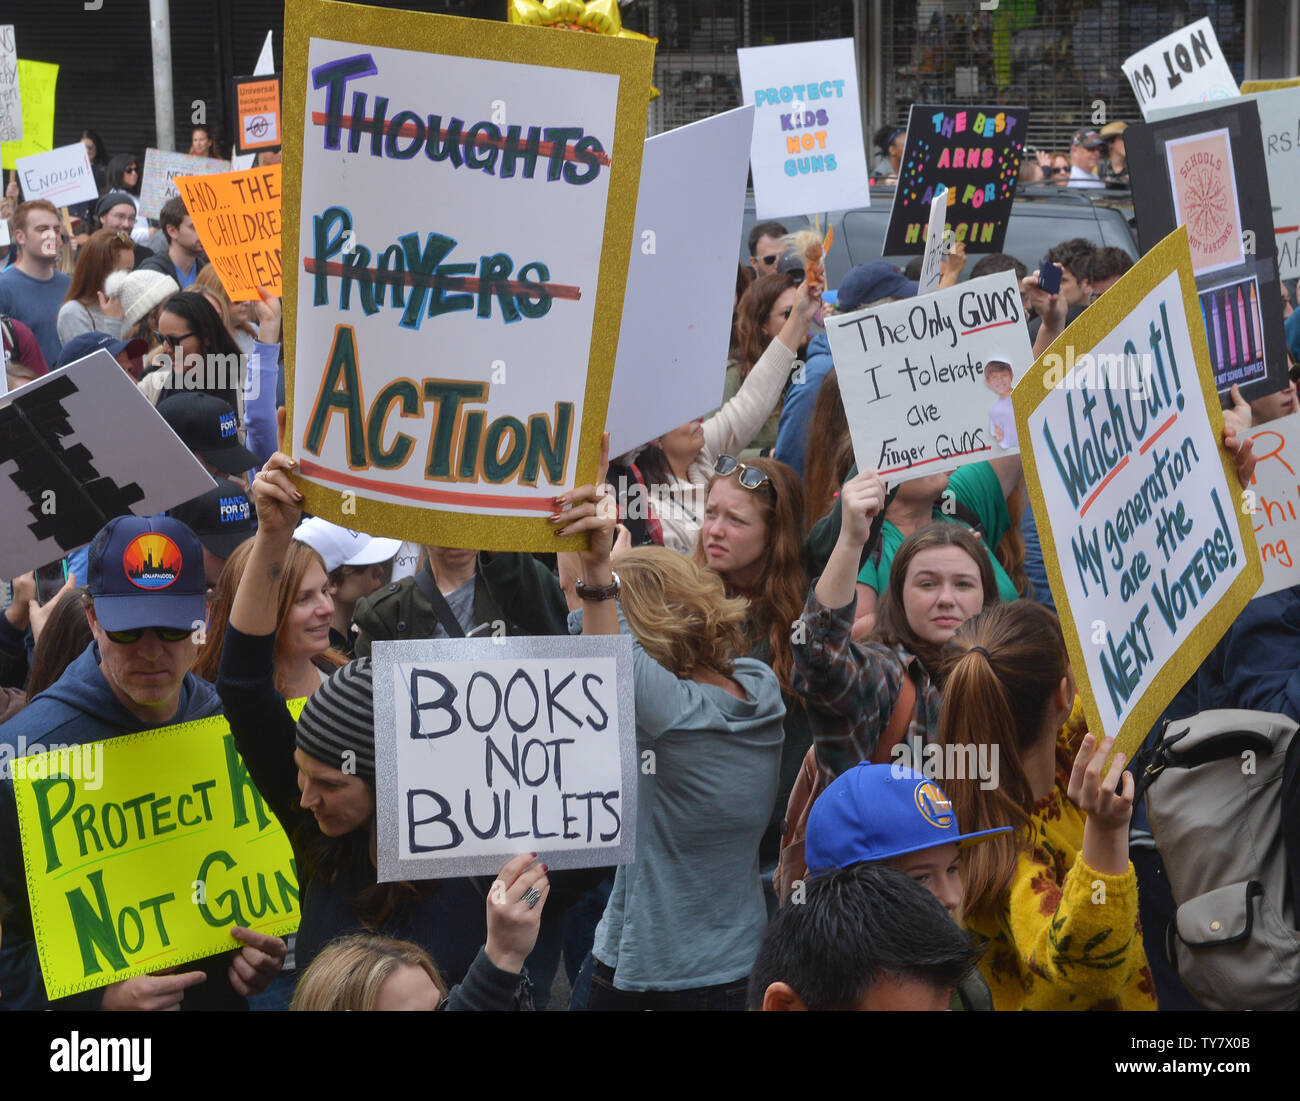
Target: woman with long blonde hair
{"x": 678, "y": 932}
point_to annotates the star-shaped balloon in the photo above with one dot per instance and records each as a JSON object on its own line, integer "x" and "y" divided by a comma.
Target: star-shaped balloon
{"x": 592, "y": 16}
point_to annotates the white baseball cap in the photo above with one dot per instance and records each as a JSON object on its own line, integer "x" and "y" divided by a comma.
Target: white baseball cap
{"x": 339, "y": 546}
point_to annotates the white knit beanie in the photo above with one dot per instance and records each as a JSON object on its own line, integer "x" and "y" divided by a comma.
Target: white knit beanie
{"x": 140, "y": 292}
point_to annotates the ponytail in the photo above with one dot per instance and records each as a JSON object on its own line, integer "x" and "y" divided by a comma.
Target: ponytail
{"x": 1000, "y": 671}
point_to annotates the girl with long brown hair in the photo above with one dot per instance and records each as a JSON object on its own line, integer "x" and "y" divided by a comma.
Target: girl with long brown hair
{"x": 760, "y": 315}
{"x": 830, "y": 451}
{"x": 752, "y": 537}
{"x": 1057, "y": 898}
{"x": 89, "y": 306}
{"x": 941, "y": 576}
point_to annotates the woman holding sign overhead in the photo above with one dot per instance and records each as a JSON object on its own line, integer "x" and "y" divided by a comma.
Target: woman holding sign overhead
{"x": 317, "y": 775}
{"x": 684, "y": 921}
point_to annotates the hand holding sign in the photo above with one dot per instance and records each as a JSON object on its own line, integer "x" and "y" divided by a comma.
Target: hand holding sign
{"x": 861, "y": 499}
{"x": 278, "y": 502}
{"x": 514, "y": 912}
{"x": 1107, "y": 805}
{"x": 151, "y": 993}
{"x": 254, "y": 966}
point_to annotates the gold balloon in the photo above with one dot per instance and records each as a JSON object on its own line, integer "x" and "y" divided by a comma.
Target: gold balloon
{"x": 591, "y": 16}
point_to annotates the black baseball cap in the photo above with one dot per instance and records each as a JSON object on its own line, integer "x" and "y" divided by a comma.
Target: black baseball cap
{"x": 222, "y": 518}
{"x": 147, "y": 571}
{"x": 207, "y": 426}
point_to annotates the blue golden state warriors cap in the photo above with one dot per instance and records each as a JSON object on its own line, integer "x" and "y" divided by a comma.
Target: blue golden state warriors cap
{"x": 875, "y": 812}
{"x": 147, "y": 571}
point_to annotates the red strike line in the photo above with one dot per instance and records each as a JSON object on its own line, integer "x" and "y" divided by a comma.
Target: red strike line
{"x": 996, "y": 324}
{"x": 1104, "y": 483}
{"x": 435, "y": 496}
{"x": 1147, "y": 446}
{"x": 1286, "y": 229}
{"x": 937, "y": 458}
{"x": 439, "y": 282}
{"x": 481, "y": 141}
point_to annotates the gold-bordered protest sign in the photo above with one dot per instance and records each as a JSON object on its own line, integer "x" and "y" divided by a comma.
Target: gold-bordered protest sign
{"x": 1139, "y": 511}
{"x": 460, "y": 196}
{"x": 1249, "y": 87}
{"x": 142, "y": 851}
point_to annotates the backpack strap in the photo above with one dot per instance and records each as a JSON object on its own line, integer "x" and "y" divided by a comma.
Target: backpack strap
{"x": 899, "y": 719}
{"x": 426, "y": 584}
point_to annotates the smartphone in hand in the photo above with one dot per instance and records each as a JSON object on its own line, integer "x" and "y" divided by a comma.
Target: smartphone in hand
{"x": 1049, "y": 278}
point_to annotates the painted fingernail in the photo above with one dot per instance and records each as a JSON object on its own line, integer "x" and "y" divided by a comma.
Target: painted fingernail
{"x": 556, "y": 519}
{"x": 546, "y": 867}
{"x": 533, "y": 855}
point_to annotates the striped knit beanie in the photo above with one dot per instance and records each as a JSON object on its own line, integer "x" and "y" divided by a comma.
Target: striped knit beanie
{"x": 339, "y": 719}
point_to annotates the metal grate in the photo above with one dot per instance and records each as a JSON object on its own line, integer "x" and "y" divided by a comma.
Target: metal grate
{"x": 1062, "y": 57}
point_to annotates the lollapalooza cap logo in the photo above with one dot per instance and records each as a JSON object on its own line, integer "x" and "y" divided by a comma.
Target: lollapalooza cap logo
{"x": 151, "y": 561}
{"x": 934, "y": 806}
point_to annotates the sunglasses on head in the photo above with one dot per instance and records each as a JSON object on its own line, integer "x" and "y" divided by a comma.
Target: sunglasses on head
{"x": 167, "y": 634}
{"x": 751, "y": 477}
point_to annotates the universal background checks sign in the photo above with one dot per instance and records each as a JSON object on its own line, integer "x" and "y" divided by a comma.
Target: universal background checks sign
{"x": 492, "y": 747}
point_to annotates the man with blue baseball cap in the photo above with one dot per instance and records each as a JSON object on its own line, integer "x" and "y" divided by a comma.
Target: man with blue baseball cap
{"x": 891, "y": 814}
{"x": 145, "y": 605}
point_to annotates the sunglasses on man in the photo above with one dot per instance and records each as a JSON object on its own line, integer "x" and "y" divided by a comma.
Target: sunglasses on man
{"x": 167, "y": 634}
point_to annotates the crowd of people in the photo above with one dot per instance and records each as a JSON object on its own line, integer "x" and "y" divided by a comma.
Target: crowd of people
{"x": 792, "y": 623}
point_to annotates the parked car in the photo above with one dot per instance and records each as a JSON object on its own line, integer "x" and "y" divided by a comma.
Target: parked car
{"x": 1041, "y": 216}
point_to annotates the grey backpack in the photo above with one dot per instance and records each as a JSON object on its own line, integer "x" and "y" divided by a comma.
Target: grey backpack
{"x": 1223, "y": 798}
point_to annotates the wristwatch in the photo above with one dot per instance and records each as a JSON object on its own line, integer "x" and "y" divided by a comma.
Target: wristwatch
{"x": 598, "y": 592}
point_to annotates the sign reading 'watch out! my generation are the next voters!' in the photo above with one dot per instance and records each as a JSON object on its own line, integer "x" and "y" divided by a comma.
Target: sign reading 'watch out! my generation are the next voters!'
{"x": 464, "y": 211}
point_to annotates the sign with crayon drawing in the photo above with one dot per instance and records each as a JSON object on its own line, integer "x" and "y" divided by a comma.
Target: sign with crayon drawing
{"x": 501, "y": 746}
{"x": 919, "y": 381}
{"x": 807, "y": 153}
{"x": 1186, "y": 66}
{"x": 1274, "y": 498}
{"x": 237, "y": 217}
{"x": 143, "y": 850}
{"x": 972, "y": 151}
{"x": 1206, "y": 170}
{"x": 1148, "y": 551}
{"x": 465, "y": 213}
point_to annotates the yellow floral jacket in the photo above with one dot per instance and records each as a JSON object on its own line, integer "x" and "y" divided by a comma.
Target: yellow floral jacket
{"x": 1069, "y": 937}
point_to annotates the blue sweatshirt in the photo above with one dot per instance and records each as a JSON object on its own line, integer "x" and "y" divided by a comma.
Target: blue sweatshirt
{"x": 77, "y": 709}
{"x": 800, "y": 400}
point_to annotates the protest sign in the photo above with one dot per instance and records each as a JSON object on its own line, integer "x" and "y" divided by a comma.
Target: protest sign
{"x": 257, "y": 113}
{"x": 162, "y": 167}
{"x": 1187, "y": 66}
{"x": 62, "y": 176}
{"x": 1249, "y": 87}
{"x": 936, "y": 248}
{"x": 500, "y": 746}
{"x": 237, "y": 216}
{"x": 11, "y": 104}
{"x": 202, "y": 853}
{"x": 912, "y": 376}
{"x": 1279, "y": 124}
{"x": 1149, "y": 554}
{"x": 1206, "y": 170}
{"x": 472, "y": 231}
{"x": 972, "y": 151}
{"x": 675, "y": 312}
{"x": 77, "y": 447}
{"x": 264, "y": 67}
{"x": 1273, "y": 498}
{"x": 807, "y": 152}
{"x": 36, "y": 84}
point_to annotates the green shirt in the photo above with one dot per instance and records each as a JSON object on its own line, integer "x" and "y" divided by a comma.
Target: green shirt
{"x": 976, "y": 487}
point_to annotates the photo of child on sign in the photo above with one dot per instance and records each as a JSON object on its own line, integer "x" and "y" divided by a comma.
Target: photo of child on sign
{"x": 1000, "y": 378}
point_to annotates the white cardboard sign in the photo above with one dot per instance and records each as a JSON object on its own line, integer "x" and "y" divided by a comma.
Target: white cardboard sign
{"x": 1274, "y": 497}
{"x": 77, "y": 447}
{"x": 496, "y": 747}
{"x": 161, "y": 168}
{"x": 62, "y": 176}
{"x": 932, "y": 264}
{"x": 673, "y": 326}
{"x": 11, "y": 104}
{"x": 1187, "y": 66}
{"x": 807, "y": 152}
{"x": 912, "y": 376}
